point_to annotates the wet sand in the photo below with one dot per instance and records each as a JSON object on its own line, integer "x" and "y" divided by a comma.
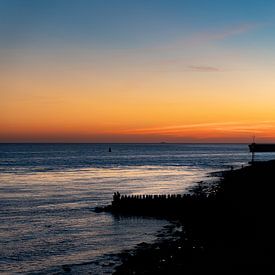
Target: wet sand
{"x": 229, "y": 231}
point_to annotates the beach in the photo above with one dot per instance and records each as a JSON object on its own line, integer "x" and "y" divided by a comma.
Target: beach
{"x": 232, "y": 234}
{"x": 127, "y": 133}
{"x": 49, "y": 193}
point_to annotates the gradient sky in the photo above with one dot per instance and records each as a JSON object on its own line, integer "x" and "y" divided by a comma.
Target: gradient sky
{"x": 137, "y": 71}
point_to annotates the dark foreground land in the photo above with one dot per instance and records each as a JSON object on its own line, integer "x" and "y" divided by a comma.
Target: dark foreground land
{"x": 228, "y": 229}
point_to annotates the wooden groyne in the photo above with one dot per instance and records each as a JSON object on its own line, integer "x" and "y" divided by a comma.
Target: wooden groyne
{"x": 160, "y": 205}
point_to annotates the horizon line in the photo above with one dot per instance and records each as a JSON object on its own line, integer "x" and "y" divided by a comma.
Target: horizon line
{"x": 57, "y": 142}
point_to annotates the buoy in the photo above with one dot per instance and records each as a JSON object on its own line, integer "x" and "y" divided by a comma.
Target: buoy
{"x": 110, "y": 149}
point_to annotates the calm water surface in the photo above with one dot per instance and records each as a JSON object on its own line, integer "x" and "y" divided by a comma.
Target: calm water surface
{"x": 48, "y": 193}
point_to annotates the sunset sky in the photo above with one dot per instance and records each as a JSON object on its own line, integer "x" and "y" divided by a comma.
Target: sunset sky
{"x": 137, "y": 71}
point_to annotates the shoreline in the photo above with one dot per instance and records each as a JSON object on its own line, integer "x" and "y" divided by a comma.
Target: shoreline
{"x": 232, "y": 234}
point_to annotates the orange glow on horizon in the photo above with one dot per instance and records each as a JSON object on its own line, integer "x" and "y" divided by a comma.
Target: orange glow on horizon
{"x": 56, "y": 102}
{"x": 202, "y": 132}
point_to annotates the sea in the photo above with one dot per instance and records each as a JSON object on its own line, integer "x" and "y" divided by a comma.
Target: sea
{"x": 48, "y": 194}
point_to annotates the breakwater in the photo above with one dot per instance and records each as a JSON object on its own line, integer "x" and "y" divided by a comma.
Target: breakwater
{"x": 159, "y": 205}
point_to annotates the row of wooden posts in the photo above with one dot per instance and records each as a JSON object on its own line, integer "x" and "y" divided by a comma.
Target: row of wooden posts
{"x": 121, "y": 199}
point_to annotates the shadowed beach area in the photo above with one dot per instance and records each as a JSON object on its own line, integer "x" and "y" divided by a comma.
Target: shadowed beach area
{"x": 226, "y": 228}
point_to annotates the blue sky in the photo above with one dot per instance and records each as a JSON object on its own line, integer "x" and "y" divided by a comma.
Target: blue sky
{"x": 100, "y": 23}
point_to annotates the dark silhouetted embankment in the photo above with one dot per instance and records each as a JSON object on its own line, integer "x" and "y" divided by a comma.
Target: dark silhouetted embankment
{"x": 229, "y": 231}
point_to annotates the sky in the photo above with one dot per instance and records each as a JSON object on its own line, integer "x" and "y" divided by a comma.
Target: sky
{"x": 137, "y": 71}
